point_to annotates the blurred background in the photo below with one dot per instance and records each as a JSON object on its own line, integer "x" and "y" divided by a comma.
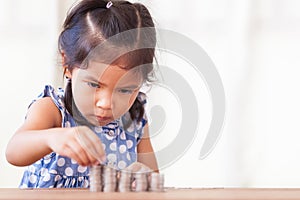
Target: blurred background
{"x": 255, "y": 46}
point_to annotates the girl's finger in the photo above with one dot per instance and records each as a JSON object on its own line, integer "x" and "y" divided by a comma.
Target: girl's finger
{"x": 80, "y": 153}
{"x": 97, "y": 146}
{"x": 87, "y": 139}
{"x": 70, "y": 153}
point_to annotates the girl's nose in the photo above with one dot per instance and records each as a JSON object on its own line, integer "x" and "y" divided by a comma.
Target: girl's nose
{"x": 104, "y": 100}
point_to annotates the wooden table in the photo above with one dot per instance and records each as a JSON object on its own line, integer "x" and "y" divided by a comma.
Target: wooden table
{"x": 170, "y": 193}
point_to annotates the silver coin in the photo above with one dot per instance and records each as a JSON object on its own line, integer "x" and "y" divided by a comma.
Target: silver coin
{"x": 124, "y": 181}
{"x": 156, "y": 182}
{"x": 95, "y": 178}
{"x": 109, "y": 176}
{"x": 140, "y": 182}
{"x": 107, "y": 179}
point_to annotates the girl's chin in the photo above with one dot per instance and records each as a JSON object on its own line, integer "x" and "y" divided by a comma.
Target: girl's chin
{"x": 100, "y": 123}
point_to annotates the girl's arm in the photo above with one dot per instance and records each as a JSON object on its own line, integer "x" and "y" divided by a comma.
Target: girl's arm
{"x": 145, "y": 151}
{"x": 42, "y": 134}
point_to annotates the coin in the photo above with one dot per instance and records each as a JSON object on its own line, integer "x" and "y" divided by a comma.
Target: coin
{"x": 124, "y": 181}
{"x": 156, "y": 182}
{"x": 109, "y": 179}
{"x": 95, "y": 178}
{"x": 141, "y": 182}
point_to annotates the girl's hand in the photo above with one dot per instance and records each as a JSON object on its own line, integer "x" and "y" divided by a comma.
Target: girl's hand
{"x": 138, "y": 167}
{"x": 79, "y": 143}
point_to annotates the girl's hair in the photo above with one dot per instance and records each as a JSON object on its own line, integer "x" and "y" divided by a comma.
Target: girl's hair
{"x": 90, "y": 23}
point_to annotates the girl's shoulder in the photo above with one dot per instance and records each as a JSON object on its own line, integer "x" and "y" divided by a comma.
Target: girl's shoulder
{"x": 47, "y": 104}
{"x": 55, "y": 95}
{"x": 52, "y": 100}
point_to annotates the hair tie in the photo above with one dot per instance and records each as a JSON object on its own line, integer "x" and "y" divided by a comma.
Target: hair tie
{"x": 109, "y": 4}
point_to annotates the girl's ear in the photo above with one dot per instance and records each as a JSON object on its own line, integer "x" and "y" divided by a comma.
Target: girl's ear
{"x": 67, "y": 72}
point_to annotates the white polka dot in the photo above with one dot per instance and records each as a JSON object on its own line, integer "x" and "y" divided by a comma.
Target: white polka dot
{"x": 122, "y": 164}
{"x": 81, "y": 169}
{"x": 111, "y": 157}
{"x": 48, "y": 156}
{"x": 23, "y": 186}
{"x": 67, "y": 182}
{"x": 53, "y": 171}
{"x": 69, "y": 171}
{"x": 136, "y": 135}
{"x": 73, "y": 161}
{"x": 38, "y": 162}
{"x": 57, "y": 178}
{"x": 86, "y": 183}
{"x": 48, "y": 160}
{"x": 111, "y": 126}
{"x": 130, "y": 128}
{"x": 46, "y": 178}
{"x": 32, "y": 178}
{"x": 111, "y": 133}
{"x": 122, "y": 148}
{"x": 109, "y": 137}
{"x": 73, "y": 181}
{"x": 128, "y": 156}
{"x": 31, "y": 169}
{"x": 61, "y": 162}
{"x": 44, "y": 171}
{"x": 80, "y": 178}
{"x": 117, "y": 131}
{"x": 129, "y": 143}
{"x": 113, "y": 146}
{"x": 98, "y": 129}
{"x": 67, "y": 124}
{"x": 123, "y": 136}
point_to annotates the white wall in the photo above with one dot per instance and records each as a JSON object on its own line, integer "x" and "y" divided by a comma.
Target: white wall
{"x": 28, "y": 60}
{"x": 255, "y": 46}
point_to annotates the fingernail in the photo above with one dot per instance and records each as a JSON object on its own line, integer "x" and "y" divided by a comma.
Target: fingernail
{"x": 103, "y": 158}
{"x": 96, "y": 163}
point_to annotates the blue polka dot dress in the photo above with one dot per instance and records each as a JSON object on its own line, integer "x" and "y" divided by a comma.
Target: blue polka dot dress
{"x": 56, "y": 171}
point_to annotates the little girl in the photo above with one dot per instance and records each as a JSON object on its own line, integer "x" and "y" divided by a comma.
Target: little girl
{"x": 99, "y": 118}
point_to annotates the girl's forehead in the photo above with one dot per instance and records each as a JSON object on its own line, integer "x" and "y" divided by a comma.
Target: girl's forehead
{"x": 101, "y": 72}
{"x": 98, "y": 68}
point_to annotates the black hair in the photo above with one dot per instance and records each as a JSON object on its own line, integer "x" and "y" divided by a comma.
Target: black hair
{"x": 89, "y": 23}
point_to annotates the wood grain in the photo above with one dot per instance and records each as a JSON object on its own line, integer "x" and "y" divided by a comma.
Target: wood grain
{"x": 171, "y": 193}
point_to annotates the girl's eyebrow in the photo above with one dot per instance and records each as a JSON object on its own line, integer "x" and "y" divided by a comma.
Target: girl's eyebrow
{"x": 91, "y": 78}
{"x": 129, "y": 86}
{"x": 133, "y": 86}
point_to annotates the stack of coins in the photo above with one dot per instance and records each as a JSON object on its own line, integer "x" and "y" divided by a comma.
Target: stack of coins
{"x": 96, "y": 178}
{"x": 109, "y": 176}
{"x": 141, "y": 182}
{"x": 156, "y": 182}
{"x": 107, "y": 179}
{"x": 125, "y": 181}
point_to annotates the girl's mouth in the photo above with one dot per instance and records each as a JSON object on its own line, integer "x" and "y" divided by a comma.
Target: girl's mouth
{"x": 103, "y": 118}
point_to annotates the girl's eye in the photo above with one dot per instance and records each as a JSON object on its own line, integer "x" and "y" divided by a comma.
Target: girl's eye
{"x": 126, "y": 91}
{"x": 93, "y": 85}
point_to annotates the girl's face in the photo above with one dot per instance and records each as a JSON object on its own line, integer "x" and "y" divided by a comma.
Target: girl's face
{"x": 103, "y": 92}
